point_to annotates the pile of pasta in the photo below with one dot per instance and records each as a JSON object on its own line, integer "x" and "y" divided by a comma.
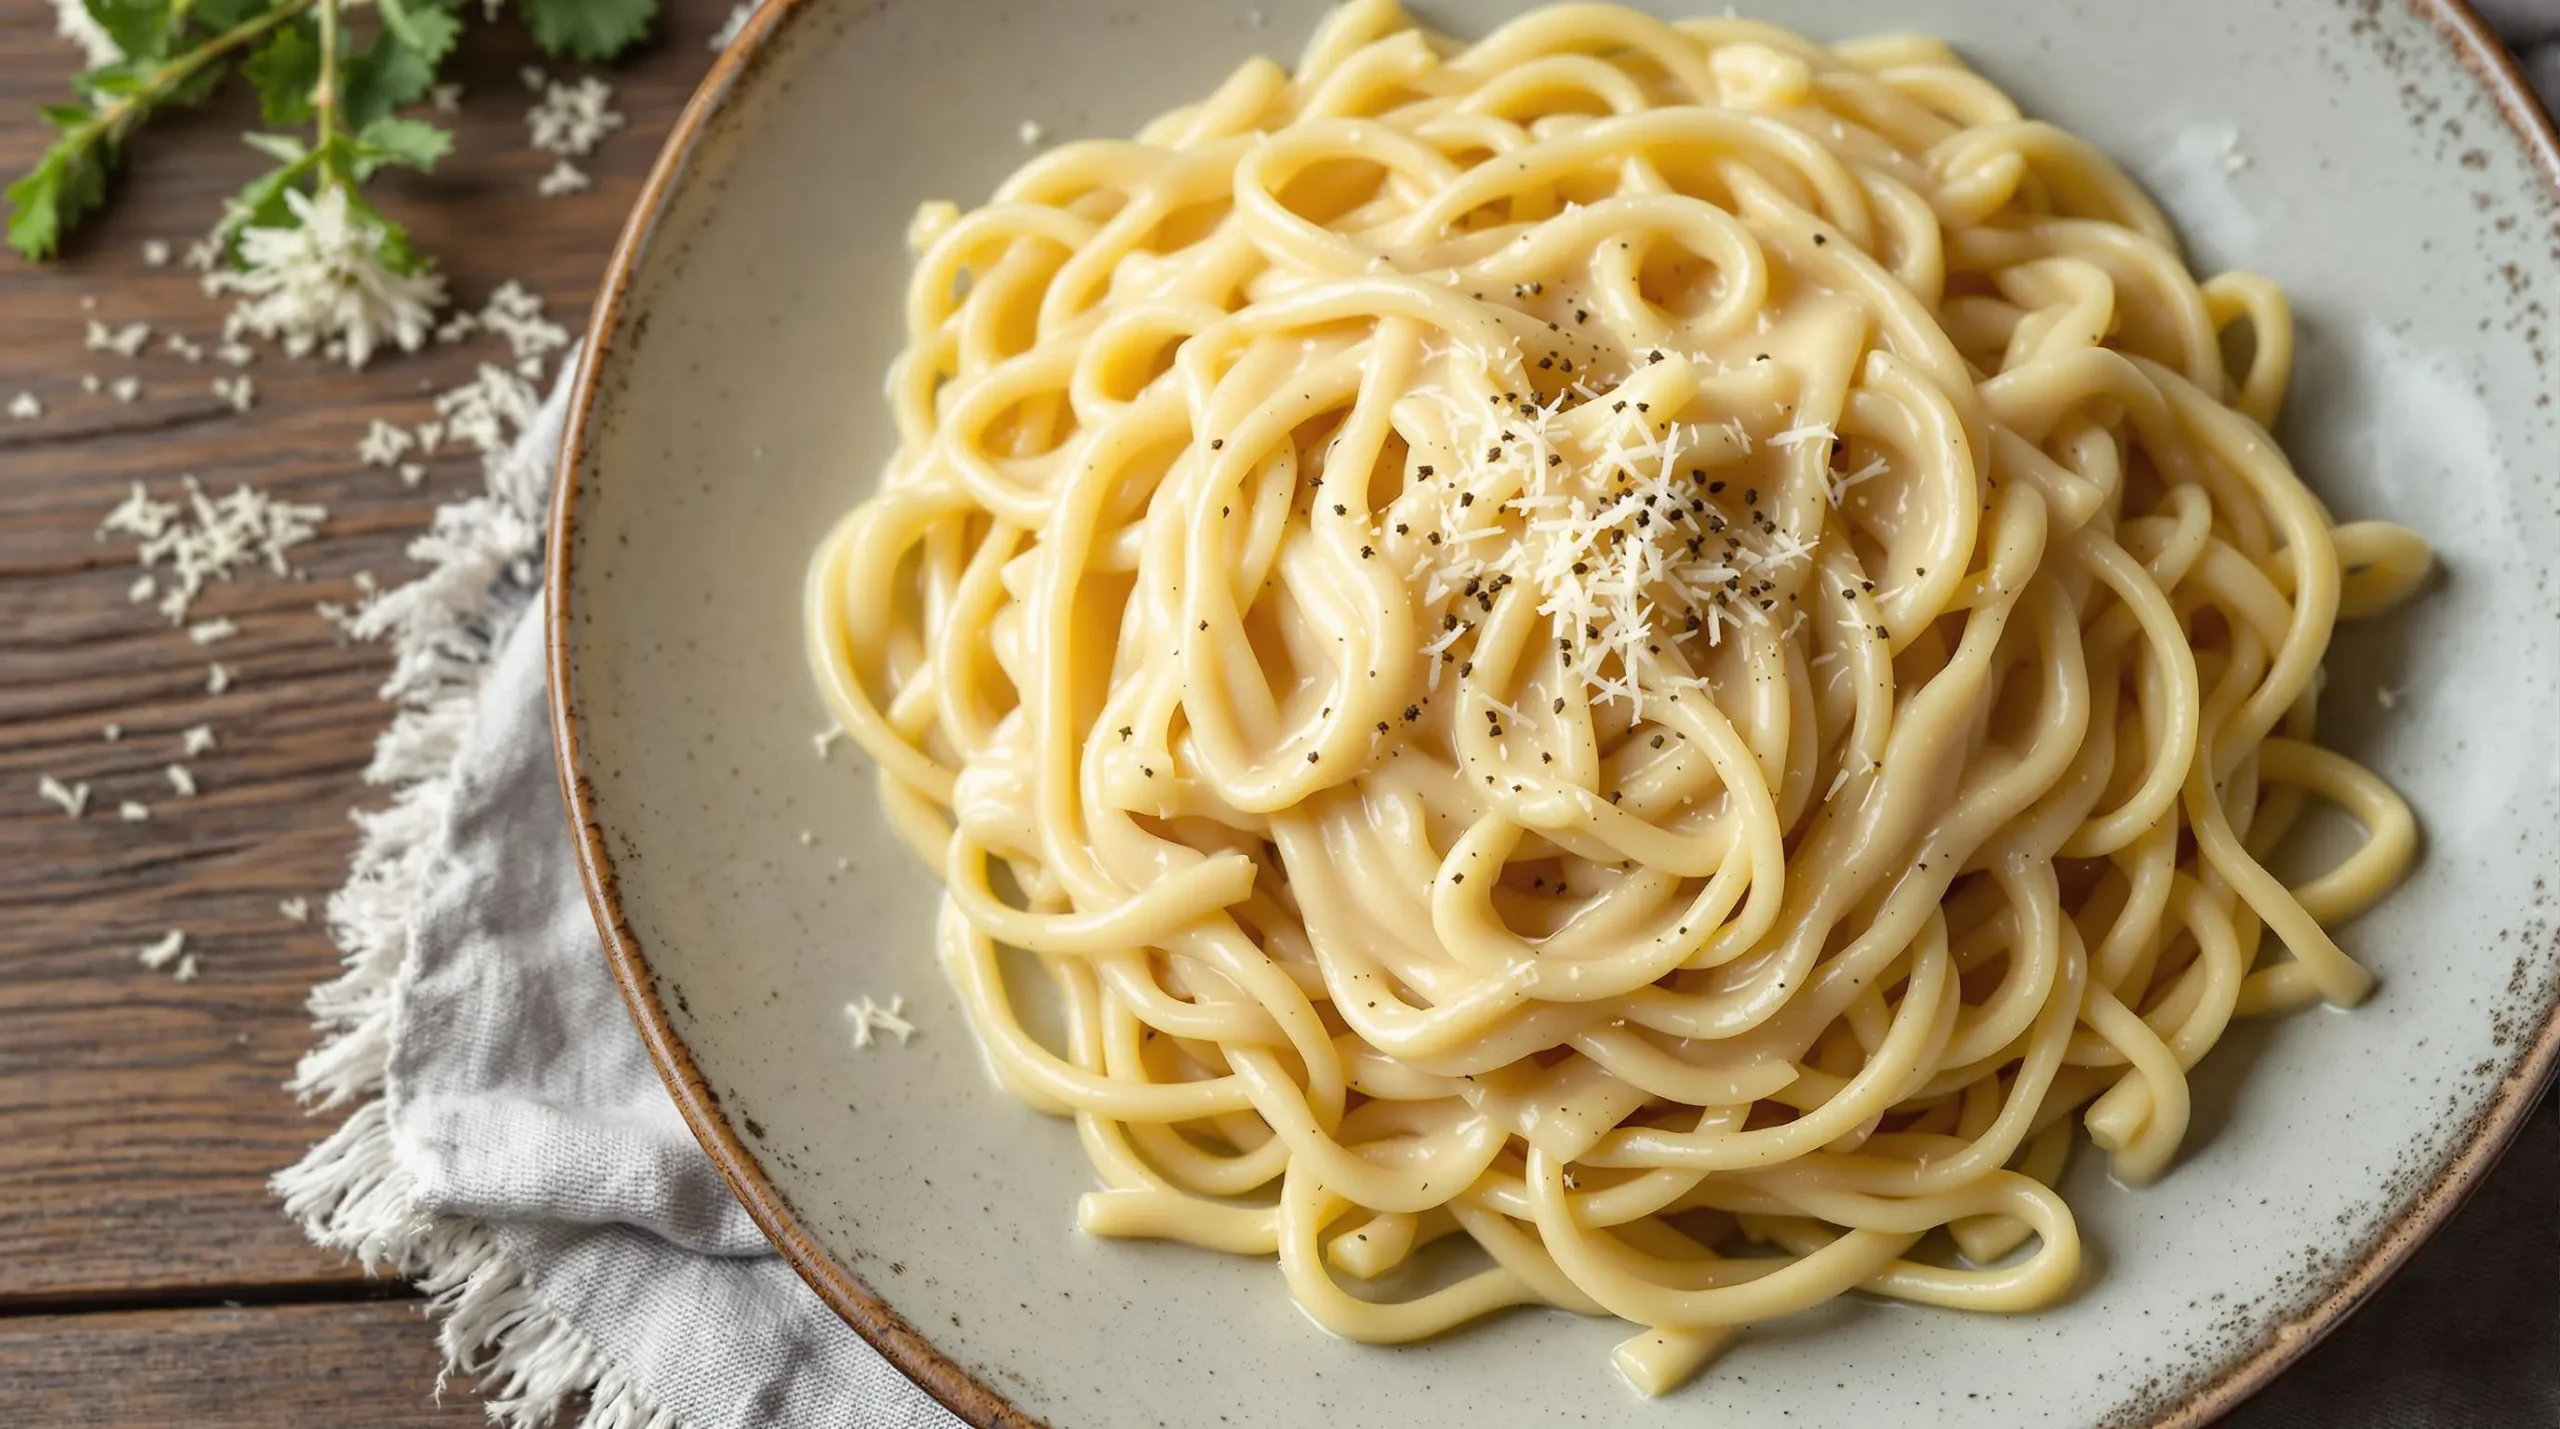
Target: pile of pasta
{"x": 1654, "y": 648}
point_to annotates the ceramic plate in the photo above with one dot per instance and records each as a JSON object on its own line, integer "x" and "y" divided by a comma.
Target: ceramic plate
{"x": 2397, "y": 182}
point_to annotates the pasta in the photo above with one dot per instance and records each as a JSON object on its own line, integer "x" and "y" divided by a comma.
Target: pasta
{"x": 1648, "y": 653}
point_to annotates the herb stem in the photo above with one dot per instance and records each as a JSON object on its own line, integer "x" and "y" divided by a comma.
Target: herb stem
{"x": 324, "y": 95}
{"x": 111, "y": 120}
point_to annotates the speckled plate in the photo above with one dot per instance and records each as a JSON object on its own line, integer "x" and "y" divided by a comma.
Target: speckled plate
{"x": 2398, "y": 183}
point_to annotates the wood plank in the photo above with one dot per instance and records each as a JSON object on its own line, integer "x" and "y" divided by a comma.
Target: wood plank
{"x": 370, "y": 1364}
{"x": 142, "y": 1117}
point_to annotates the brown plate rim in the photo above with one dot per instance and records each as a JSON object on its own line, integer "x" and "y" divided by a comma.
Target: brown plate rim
{"x": 2475, "y": 46}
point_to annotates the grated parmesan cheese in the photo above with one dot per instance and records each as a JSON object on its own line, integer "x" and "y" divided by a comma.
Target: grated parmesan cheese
{"x": 870, "y": 1018}
{"x": 217, "y": 678}
{"x": 155, "y": 253}
{"x": 111, "y": 732}
{"x": 71, "y": 799}
{"x": 564, "y": 178}
{"x": 164, "y": 950}
{"x": 206, "y": 632}
{"x": 126, "y": 389}
{"x": 198, "y": 739}
{"x": 238, "y": 392}
{"x": 1031, "y": 133}
{"x": 209, "y": 538}
{"x": 127, "y": 341}
{"x": 25, "y": 407}
{"x": 571, "y": 120}
{"x": 182, "y": 779}
{"x": 133, "y": 811}
{"x": 295, "y": 910}
{"x": 186, "y": 970}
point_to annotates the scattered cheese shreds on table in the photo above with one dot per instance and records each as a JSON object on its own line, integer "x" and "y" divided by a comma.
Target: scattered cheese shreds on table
{"x": 205, "y": 538}
{"x": 295, "y": 910}
{"x": 182, "y": 779}
{"x": 206, "y": 632}
{"x": 25, "y": 407}
{"x": 217, "y": 678}
{"x": 155, "y": 253}
{"x": 111, "y": 731}
{"x": 133, "y": 811}
{"x": 198, "y": 739}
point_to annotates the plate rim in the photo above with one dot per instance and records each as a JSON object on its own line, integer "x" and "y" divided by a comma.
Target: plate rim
{"x": 2474, "y": 45}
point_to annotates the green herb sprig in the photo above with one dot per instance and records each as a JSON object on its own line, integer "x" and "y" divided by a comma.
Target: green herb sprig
{"x": 310, "y": 72}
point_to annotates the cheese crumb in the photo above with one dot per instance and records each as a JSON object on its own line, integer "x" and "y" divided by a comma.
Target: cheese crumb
{"x": 186, "y": 969}
{"x": 807, "y": 838}
{"x": 295, "y": 910}
{"x": 126, "y": 389}
{"x": 206, "y": 632}
{"x": 217, "y": 678}
{"x": 383, "y": 444}
{"x": 133, "y": 811}
{"x": 182, "y": 779}
{"x": 126, "y": 341}
{"x": 90, "y": 384}
{"x": 411, "y": 474}
{"x": 572, "y": 119}
{"x": 870, "y": 1018}
{"x": 111, "y": 732}
{"x": 825, "y": 739}
{"x": 239, "y": 392}
{"x": 164, "y": 950}
{"x": 564, "y": 178}
{"x": 198, "y": 738}
{"x": 1031, "y": 133}
{"x": 25, "y": 407}
{"x": 155, "y": 253}
{"x": 72, "y": 799}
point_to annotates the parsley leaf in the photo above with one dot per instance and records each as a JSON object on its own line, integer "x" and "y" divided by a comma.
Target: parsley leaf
{"x": 588, "y": 29}
{"x": 400, "y": 64}
{"x": 68, "y": 181}
{"x": 408, "y": 142}
{"x": 284, "y": 70}
{"x": 140, "y": 28}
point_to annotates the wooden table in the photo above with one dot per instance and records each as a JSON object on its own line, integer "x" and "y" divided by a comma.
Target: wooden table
{"x": 146, "y": 1276}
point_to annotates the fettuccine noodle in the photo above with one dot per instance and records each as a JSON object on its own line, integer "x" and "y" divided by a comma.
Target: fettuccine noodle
{"x": 1652, "y": 646}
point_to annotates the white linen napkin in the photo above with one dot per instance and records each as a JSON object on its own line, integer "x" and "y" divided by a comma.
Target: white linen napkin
{"x": 520, "y": 1159}
{"x": 523, "y": 1160}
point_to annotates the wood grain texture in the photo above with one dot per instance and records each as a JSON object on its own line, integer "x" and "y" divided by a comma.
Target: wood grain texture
{"x": 140, "y": 1118}
{"x": 369, "y": 1364}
